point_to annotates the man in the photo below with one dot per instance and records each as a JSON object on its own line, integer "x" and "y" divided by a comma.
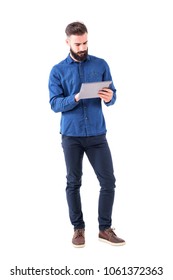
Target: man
{"x": 83, "y": 130}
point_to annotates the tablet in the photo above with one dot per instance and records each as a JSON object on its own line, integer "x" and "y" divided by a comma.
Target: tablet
{"x": 90, "y": 90}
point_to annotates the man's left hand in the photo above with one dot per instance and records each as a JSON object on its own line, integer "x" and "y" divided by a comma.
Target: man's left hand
{"x": 106, "y": 94}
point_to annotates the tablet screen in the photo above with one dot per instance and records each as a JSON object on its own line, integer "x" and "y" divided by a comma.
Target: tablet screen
{"x": 90, "y": 90}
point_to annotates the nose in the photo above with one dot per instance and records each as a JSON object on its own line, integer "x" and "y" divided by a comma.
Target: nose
{"x": 82, "y": 48}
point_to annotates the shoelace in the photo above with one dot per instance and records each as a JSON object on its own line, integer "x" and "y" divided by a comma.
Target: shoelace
{"x": 111, "y": 231}
{"x": 79, "y": 233}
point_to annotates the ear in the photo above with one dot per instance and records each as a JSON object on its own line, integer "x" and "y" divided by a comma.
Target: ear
{"x": 67, "y": 42}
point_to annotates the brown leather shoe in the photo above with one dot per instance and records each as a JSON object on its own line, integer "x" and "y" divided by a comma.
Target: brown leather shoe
{"x": 109, "y": 236}
{"x": 78, "y": 239}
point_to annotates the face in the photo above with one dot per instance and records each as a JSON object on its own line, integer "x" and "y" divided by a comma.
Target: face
{"x": 78, "y": 46}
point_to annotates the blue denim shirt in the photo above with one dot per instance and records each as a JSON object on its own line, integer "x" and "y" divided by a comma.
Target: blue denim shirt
{"x": 85, "y": 117}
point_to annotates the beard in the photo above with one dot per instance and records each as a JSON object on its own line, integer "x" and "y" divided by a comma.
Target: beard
{"x": 79, "y": 56}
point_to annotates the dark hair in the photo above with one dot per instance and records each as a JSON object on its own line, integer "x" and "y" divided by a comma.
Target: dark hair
{"x": 76, "y": 28}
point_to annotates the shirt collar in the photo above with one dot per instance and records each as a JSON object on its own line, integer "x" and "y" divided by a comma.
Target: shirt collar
{"x": 70, "y": 60}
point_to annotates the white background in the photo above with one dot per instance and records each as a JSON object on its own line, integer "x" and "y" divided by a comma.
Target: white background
{"x": 135, "y": 38}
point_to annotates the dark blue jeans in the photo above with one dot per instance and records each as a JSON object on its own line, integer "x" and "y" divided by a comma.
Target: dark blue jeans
{"x": 97, "y": 150}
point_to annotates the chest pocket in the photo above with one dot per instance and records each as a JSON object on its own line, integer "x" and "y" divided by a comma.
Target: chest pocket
{"x": 94, "y": 76}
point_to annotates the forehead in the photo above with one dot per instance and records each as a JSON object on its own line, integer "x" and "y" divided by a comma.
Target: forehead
{"x": 78, "y": 39}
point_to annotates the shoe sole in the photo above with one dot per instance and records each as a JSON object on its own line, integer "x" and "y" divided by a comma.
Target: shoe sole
{"x": 79, "y": 246}
{"x": 111, "y": 243}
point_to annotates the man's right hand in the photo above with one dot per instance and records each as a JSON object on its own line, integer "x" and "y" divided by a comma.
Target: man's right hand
{"x": 76, "y": 97}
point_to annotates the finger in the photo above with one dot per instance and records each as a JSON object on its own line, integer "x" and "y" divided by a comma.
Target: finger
{"x": 103, "y": 92}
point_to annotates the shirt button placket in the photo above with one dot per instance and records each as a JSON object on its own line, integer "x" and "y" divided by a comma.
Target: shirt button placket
{"x": 85, "y": 112}
{"x": 85, "y": 117}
